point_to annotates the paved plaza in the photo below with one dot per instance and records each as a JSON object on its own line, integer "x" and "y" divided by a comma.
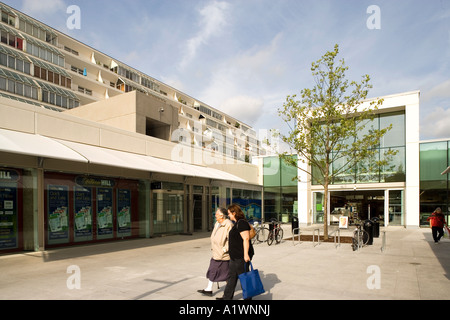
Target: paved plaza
{"x": 174, "y": 268}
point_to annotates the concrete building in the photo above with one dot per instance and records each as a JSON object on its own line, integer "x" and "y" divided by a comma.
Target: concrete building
{"x": 390, "y": 193}
{"x": 94, "y": 150}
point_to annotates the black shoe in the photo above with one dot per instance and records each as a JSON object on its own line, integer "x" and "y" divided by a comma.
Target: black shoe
{"x": 206, "y": 293}
{"x": 220, "y": 298}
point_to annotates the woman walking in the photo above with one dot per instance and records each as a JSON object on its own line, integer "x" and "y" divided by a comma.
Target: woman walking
{"x": 241, "y": 249}
{"x": 437, "y": 224}
{"x": 219, "y": 264}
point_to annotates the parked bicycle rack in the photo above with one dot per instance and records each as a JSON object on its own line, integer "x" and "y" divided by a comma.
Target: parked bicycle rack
{"x": 360, "y": 245}
{"x": 338, "y": 231}
{"x": 318, "y": 236}
{"x": 383, "y": 242}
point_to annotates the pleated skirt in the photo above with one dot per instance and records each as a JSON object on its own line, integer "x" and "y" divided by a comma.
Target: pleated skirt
{"x": 218, "y": 270}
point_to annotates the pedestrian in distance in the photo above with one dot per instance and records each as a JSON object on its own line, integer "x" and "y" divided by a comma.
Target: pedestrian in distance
{"x": 437, "y": 222}
{"x": 219, "y": 263}
{"x": 241, "y": 250}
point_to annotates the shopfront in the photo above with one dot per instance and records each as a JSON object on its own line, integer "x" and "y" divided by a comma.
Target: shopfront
{"x": 248, "y": 197}
{"x": 280, "y": 189}
{"x": 359, "y": 205}
{"x": 167, "y": 207}
{"x": 11, "y": 209}
{"x": 81, "y": 208}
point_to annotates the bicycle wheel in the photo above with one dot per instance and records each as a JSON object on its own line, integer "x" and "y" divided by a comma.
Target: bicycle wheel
{"x": 354, "y": 243}
{"x": 279, "y": 235}
{"x": 263, "y": 235}
{"x": 364, "y": 237}
{"x": 270, "y": 238}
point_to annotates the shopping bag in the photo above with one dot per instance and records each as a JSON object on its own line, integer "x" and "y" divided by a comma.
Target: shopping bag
{"x": 446, "y": 232}
{"x": 251, "y": 283}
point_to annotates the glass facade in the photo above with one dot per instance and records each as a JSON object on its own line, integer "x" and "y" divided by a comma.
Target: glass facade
{"x": 81, "y": 208}
{"x": 250, "y": 201}
{"x": 434, "y": 187}
{"x": 167, "y": 207}
{"x": 16, "y": 204}
{"x": 280, "y": 189}
{"x": 367, "y": 171}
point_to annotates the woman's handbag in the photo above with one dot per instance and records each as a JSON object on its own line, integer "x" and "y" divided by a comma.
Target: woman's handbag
{"x": 251, "y": 283}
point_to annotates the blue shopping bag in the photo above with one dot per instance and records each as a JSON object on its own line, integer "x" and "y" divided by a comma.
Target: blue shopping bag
{"x": 251, "y": 283}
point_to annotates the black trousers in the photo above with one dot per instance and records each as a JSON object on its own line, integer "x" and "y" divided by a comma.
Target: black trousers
{"x": 438, "y": 233}
{"x": 236, "y": 267}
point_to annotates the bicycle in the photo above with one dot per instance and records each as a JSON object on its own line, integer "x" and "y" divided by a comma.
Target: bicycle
{"x": 275, "y": 233}
{"x": 360, "y": 237}
{"x": 262, "y": 233}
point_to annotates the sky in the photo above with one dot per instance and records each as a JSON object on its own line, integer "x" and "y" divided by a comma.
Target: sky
{"x": 244, "y": 57}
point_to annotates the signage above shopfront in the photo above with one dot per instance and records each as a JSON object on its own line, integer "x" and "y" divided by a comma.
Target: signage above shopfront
{"x": 89, "y": 181}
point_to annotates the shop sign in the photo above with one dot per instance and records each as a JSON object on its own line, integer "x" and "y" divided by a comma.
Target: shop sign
{"x": 9, "y": 175}
{"x": 88, "y": 181}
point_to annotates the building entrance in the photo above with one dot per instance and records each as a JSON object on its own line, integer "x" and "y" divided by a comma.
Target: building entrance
{"x": 357, "y": 205}
{"x": 198, "y": 212}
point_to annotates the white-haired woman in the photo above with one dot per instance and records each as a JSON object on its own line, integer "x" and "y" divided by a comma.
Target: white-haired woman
{"x": 219, "y": 264}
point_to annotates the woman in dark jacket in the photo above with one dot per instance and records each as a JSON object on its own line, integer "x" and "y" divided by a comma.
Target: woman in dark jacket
{"x": 240, "y": 249}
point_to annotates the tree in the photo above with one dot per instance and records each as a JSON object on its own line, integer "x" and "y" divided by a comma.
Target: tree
{"x": 332, "y": 129}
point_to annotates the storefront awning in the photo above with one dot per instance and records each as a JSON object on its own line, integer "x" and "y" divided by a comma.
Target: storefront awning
{"x": 109, "y": 157}
{"x": 36, "y": 145}
{"x": 40, "y": 146}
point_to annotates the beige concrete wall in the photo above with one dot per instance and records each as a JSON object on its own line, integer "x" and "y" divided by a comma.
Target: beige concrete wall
{"x": 27, "y": 118}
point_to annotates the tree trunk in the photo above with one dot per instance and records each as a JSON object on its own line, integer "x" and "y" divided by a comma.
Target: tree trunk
{"x": 325, "y": 211}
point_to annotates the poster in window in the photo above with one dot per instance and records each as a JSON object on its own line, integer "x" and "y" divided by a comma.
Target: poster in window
{"x": 8, "y": 216}
{"x": 83, "y": 213}
{"x": 124, "y": 212}
{"x": 104, "y": 213}
{"x": 58, "y": 219}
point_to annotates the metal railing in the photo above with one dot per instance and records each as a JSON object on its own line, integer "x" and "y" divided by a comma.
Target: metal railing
{"x": 333, "y": 234}
{"x": 318, "y": 236}
{"x": 383, "y": 242}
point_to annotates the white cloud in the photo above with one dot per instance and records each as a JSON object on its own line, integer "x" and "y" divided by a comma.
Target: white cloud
{"x": 245, "y": 108}
{"x": 212, "y": 21}
{"x": 440, "y": 91}
{"x": 435, "y": 124}
{"x": 43, "y": 7}
{"x": 241, "y": 85}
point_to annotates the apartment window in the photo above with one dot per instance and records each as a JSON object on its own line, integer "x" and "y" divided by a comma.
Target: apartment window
{"x": 3, "y": 59}
{"x": 45, "y": 54}
{"x": 51, "y": 76}
{"x": 217, "y": 115}
{"x": 11, "y": 86}
{"x": 4, "y": 37}
{"x": 19, "y": 89}
{"x": 2, "y": 84}
{"x": 9, "y": 19}
{"x": 84, "y": 90}
{"x": 71, "y": 50}
{"x": 75, "y": 69}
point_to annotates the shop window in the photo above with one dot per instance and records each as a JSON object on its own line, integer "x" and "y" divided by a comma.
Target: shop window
{"x": 11, "y": 210}
{"x": 88, "y": 209}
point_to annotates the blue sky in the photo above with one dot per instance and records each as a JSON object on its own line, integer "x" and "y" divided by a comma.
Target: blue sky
{"x": 245, "y": 56}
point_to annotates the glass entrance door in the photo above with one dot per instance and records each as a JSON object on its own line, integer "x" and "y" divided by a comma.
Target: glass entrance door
{"x": 396, "y": 208}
